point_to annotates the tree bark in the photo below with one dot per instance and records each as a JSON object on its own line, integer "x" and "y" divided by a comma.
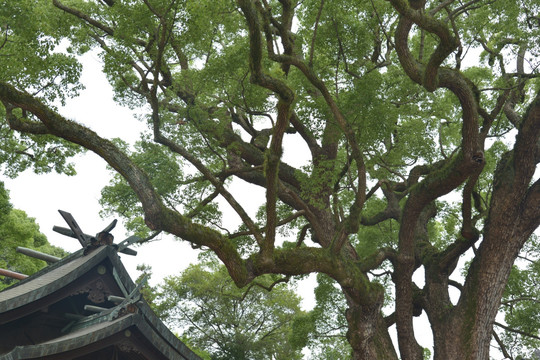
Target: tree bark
{"x": 368, "y": 332}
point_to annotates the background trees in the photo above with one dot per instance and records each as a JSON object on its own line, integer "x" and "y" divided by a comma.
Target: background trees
{"x": 396, "y": 105}
{"x": 228, "y": 322}
{"x": 17, "y": 229}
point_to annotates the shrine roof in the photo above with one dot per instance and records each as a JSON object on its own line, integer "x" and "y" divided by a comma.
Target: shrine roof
{"x": 49, "y": 279}
{"x": 132, "y": 333}
{"x": 39, "y": 293}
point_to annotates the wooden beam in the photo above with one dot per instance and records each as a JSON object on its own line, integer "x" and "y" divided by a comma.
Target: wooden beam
{"x": 116, "y": 299}
{"x": 13, "y": 274}
{"x": 93, "y": 308}
{"x": 37, "y": 255}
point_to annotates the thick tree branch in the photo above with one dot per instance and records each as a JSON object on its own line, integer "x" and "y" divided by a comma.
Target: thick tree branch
{"x": 530, "y": 219}
{"x": 516, "y": 95}
{"x": 448, "y": 43}
{"x": 273, "y": 158}
{"x": 354, "y": 213}
{"x": 286, "y": 97}
{"x": 255, "y": 60}
{"x": 157, "y": 216}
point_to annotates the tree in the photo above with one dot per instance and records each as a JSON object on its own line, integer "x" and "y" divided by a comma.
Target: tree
{"x": 397, "y": 103}
{"x": 17, "y": 229}
{"x": 323, "y": 329}
{"x": 520, "y": 335}
{"x": 228, "y": 322}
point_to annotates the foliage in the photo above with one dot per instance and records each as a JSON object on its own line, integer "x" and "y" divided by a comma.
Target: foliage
{"x": 228, "y": 322}
{"x": 17, "y": 229}
{"x": 388, "y": 136}
{"x": 30, "y": 37}
{"x": 520, "y": 304}
{"x": 324, "y": 328}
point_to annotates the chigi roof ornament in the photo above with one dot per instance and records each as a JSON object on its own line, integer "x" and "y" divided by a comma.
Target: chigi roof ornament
{"x": 103, "y": 237}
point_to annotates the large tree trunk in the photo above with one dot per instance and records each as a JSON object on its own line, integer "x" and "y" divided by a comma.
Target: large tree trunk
{"x": 465, "y": 332}
{"x": 369, "y": 338}
{"x": 368, "y": 334}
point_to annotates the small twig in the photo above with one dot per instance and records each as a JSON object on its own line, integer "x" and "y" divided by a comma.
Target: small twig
{"x": 387, "y": 272}
{"x": 527, "y": 259}
{"x": 267, "y": 288}
{"x": 5, "y": 38}
{"x": 516, "y": 331}
{"x": 202, "y": 204}
{"x": 521, "y": 298}
{"x": 440, "y": 6}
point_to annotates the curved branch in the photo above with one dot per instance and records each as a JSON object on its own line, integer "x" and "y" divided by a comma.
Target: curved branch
{"x": 448, "y": 43}
{"x": 255, "y": 54}
{"x": 71, "y": 131}
{"x": 453, "y": 172}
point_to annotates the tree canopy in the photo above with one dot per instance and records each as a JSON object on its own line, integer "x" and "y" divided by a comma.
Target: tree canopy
{"x": 420, "y": 121}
